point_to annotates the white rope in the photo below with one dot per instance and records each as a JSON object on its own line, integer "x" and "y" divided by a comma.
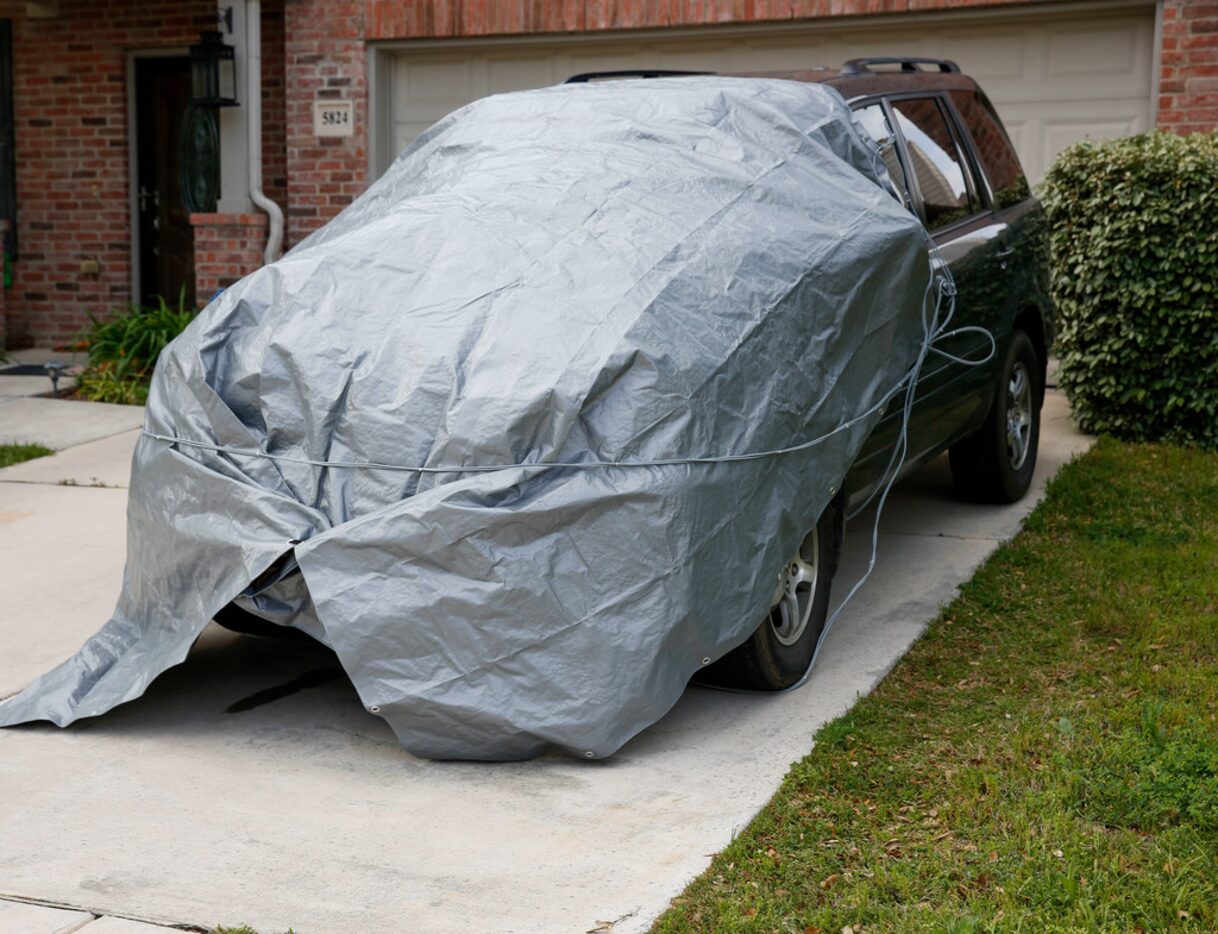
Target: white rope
{"x": 531, "y": 465}
{"x": 941, "y": 286}
{"x": 906, "y": 383}
{"x": 933, "y": 330}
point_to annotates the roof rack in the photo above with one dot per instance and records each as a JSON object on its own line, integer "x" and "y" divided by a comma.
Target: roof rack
{"x": 588, "y": 76}
{"x": 862, "y": 66}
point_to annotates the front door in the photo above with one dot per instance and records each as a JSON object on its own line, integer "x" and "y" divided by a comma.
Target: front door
{"x": 166, "y": 241}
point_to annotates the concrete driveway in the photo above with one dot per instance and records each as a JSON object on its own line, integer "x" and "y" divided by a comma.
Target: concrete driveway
{"x": 249, "y": 785}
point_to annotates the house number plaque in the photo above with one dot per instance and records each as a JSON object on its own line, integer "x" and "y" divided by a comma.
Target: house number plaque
{"x": 333, "y": 118}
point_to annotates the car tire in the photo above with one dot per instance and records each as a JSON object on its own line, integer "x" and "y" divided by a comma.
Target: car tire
{"x": 995, "y": 463}
{"x": 235, "y": 619}
{"x": 777, "y": 655}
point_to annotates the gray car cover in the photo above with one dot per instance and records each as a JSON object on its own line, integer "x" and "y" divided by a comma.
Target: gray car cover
{"x": 526, "y": 432}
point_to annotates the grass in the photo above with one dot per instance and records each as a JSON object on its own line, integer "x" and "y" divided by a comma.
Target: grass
{"x": 242, "y": 929}
{"x": 16, "y": 453}
{"x": 1045, "y": 758}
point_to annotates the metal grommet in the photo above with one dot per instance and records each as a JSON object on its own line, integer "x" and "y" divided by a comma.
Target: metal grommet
{"x": 706, "y": 661}
{"x": 589, "y": 754}
{"x": 374, "y": 709}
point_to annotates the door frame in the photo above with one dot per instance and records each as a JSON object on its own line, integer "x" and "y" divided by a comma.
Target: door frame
{"x": 133, "y": 184}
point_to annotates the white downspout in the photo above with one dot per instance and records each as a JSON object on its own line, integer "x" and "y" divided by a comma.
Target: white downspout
{"x": 253, "y": 93}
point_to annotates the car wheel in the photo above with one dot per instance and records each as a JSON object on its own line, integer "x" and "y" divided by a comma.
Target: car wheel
{"x": 777, "y": 655}
{"x": 235, "y": 619}
{"x": 995, "y": 464}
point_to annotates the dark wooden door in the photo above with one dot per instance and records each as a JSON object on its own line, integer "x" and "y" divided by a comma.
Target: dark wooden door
{"x": 166, "y": 241}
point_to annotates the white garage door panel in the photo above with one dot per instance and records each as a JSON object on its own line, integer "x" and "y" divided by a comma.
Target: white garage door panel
{"x": 1055, "y": 80}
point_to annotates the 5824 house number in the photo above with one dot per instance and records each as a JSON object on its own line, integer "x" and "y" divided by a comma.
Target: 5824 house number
{"x": 333, "y": 118}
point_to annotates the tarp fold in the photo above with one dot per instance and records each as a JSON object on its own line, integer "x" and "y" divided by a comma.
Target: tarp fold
{"x": 621, "y": 273}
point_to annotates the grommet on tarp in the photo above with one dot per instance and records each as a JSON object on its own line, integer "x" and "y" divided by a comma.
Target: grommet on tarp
{"x": 374, "y": 709}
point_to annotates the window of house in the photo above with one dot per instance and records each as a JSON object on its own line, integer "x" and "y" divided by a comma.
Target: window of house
{"x": 936, "y": 161}
{"x": 873, "y": 120}
{"x": 994, "y": 149}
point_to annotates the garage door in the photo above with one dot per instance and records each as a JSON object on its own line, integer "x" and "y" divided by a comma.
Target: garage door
{"x": 1054, "y": 79}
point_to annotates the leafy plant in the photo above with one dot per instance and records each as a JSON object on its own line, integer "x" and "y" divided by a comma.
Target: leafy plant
{"x": 108, "y": 383}
{"x": 123, "y": 350}
{"x": 1134, "y": 229}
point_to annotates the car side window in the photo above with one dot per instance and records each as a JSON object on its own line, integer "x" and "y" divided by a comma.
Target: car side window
{"x": 936, "y": 161}
{"x": 994, "y": 149}
{"x": 874, "y": 122}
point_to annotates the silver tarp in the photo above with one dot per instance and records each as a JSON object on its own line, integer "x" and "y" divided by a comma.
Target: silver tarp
{"x": 639, "y": 280}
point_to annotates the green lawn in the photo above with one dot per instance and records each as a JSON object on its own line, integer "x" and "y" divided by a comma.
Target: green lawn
{"x": 243, "y": 929}
{"x": 16, "y": 453}
{"x": 1045, "y": 758}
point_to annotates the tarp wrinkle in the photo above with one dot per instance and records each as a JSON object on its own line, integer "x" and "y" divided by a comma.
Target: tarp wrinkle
{"x": 631, "y": 272}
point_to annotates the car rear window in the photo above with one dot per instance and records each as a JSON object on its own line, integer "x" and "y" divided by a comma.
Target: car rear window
{"x": 994, "y": 149}
{"x": 936, "y": 161}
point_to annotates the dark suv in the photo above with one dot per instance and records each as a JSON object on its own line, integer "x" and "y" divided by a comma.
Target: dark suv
{"x": 955, "y": 168}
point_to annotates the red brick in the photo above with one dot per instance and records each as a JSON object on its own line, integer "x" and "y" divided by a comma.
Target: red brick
{"x": 69, "y": 83}
{"x": 1201, "y": 42}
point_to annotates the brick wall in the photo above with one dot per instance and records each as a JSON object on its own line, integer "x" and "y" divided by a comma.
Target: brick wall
{"x": 71, "y": 107}
{"x": 388, "y": 19}
{"x": 325, "y": 58}
{"x": 1188, "y": 80}
{"x": 227, "y": 246}
{"x": 70, "y": 98}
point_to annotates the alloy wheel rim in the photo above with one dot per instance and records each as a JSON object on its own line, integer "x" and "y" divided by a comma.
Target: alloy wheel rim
{"x": 791, "y": 605}
{"x": 1019, "y": 416}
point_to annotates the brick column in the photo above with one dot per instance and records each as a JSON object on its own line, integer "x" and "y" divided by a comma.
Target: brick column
{"x": 326, "y": 59}
{"x": 1188, "y": 76}
{"x": 227, "y": 247}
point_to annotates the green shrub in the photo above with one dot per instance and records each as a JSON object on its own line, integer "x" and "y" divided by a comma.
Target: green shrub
{"x": 123, "y": 350}
{"x": 1134, "y": 228}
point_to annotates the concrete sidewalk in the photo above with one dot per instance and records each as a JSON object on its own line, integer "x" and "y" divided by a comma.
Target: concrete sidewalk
{"x": 249, "y": 785}
{"x": 27, "y": 918}
{"x": 14, "y": 382}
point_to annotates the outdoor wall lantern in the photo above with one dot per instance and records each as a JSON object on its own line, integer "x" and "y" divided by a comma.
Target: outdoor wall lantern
{"x": 213, "y": 72}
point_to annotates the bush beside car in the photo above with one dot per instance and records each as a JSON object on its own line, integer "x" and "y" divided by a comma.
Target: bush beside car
{"x": 123, "y": 350}
{"x": 1134, "y": 228}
